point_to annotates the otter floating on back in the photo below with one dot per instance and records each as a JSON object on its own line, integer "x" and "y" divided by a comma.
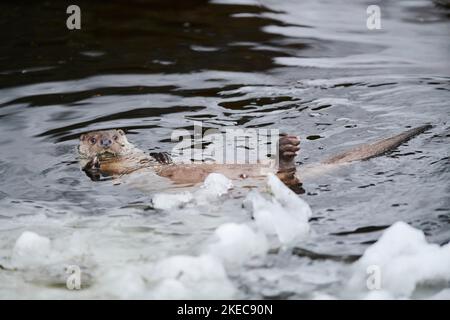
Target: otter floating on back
{"x": 108, "y": 152}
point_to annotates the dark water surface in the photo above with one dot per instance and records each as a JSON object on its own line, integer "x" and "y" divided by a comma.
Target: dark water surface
{"x": 310, "y": 68}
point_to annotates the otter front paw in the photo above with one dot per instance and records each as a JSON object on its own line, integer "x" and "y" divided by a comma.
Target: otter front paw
{"x": 288, "y": 147}
{"x": 92, "y": 169}
{"x": 161, "y": 157}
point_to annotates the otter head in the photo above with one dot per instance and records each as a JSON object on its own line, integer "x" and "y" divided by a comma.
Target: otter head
{"x": 105, "y": 143}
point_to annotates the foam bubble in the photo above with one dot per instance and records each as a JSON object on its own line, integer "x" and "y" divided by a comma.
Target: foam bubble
{"x": 235, "y": 244}
{"x": 216, "y": 184}
{"x": 166, "y": 201}
{"x": 322, "y": 296}
{"x": 441, "y": 295}
{"x": 284, "y": 214}
{"x": 175, "y": 277}
{"x": 288, "y": 198}
{"x": 30, "y": 249}
{"x": 187, "y": 277}
{"x": 123, "y": 283}
{"x": 404, "y": 260}
{"x": 379, "y": 295}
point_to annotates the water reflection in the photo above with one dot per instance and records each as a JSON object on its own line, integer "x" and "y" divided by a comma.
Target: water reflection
{"x": 137, "y": 37}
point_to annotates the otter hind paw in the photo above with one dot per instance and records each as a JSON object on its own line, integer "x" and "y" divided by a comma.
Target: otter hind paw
{"x": 290, "y": 179}
{"x": 161, "y": 157}
{"x": 288, "y": 147}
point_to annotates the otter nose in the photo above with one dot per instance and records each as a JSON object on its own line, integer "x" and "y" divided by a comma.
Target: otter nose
{"x": 105, "y": 143}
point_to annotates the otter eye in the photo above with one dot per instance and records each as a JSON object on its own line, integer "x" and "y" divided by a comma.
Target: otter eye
{"x": 115, "y": 138}
{"x": 93, "y": 140}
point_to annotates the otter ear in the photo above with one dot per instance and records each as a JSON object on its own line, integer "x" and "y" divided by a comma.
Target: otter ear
{"x": 120, "y": 131}
{"x": 83, "y": 137}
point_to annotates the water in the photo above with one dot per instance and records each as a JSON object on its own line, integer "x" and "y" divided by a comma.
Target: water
{"x": 310, "y": 68}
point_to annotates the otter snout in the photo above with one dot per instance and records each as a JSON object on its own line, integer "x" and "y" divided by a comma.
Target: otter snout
{"x": 105, "y": 142}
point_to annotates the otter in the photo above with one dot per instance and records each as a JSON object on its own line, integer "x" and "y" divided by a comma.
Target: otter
{"x": 108, "y": 152}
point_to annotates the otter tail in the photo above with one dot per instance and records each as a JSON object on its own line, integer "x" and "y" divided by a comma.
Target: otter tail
{"x": 376, "y": 149}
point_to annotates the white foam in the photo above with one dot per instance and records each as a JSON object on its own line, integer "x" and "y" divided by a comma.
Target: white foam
{"x": 175, "y": 277}
{"x": 166, "y": 201}
{"x": 123, "y": 283}
{"x": 289, "y": 199}
{"x": 187, "y": 277}
{"x": 405, "y": 260}
{"x": 441, "y": 295}
{"x": 236, "y": 244}
{"x": 379, "y": 295}
{"x": 215, "y": 184}
{"x": 285, "y": 214}
{"x": 322, "y": 296}
{"x": 30, "y": 249}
